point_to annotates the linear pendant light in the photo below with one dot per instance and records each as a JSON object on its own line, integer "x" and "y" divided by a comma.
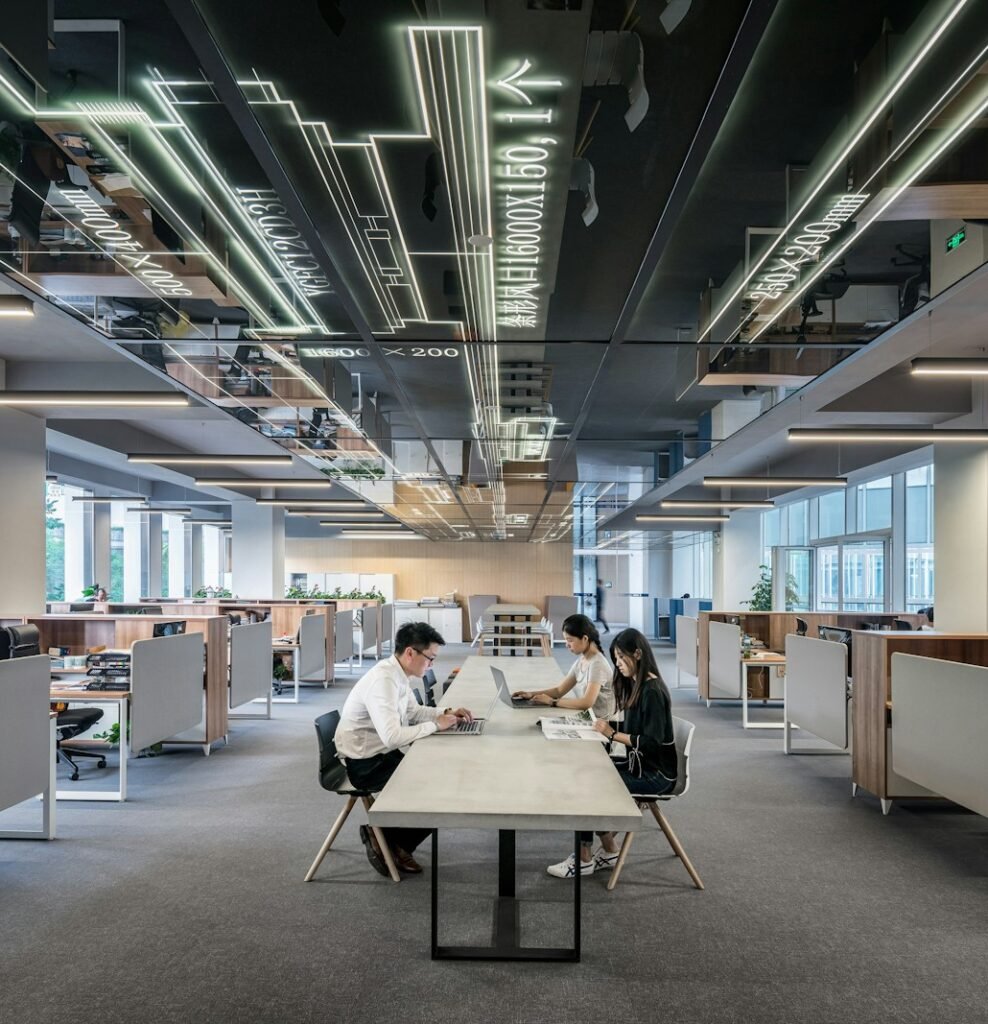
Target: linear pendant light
{"x": 381, "y": 536}
{"x": 96, "y": 399}
{"x": 227, "y": 481}
{"x": 106, "y": 499}
{"x": 774, "y": 481}
{"x": 210, "y": 460}
{"x": 925, "y": 367}
{"x": 209, "y": 522}
{"x": 170, "y": 510}
{"x": 864, "y": 435}
{"x": 354, "y": 515}
{"x": 675, "y": 503}
{"x": 682, "y": 518}
{"x": 347, "y": 524}
{"x": 324, "y": 503}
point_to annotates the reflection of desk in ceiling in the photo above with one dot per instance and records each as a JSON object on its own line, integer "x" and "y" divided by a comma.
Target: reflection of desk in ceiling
{"x": 201, "y": 373}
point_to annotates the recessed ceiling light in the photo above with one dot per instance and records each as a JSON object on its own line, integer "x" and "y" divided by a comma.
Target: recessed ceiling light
{"x": 97, "y": 399}
{"x": 381, "y": 536}
{"x": 16, "y": 305}
{"x": 211, "y": 460}
{"x": 774, "y": 481}
{"x": 863, "y": 435}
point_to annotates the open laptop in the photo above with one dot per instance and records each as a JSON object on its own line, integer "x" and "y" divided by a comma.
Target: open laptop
{"x": 504, "y": 692}
{"x": 474, "y": 728}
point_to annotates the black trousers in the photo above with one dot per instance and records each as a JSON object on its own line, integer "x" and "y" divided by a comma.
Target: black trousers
{"x": 372, "y": 774}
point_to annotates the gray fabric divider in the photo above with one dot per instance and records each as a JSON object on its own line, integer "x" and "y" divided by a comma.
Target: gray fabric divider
{"x": 344, "y": 635}
{"x": 725, "y": 660}
{"x": 477, "y": 604}
{"x": 370, "y": 620}
{"x": 166, "y": 678}
{"x": 816, "y": 687}
{"x": 686, "y": 649}
{"x": 24, "y": 730}
{"x": 938, "y": 713}
{"x": 250, "y": 662}
{"x": 559, "y": 608}
{"x": 312, "y": 647}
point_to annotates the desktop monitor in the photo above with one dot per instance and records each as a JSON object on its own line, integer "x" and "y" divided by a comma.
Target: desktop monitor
{"x": 801, "y": 626}
{"x": 19, "y": 641}
{"x": 168, "y": 628}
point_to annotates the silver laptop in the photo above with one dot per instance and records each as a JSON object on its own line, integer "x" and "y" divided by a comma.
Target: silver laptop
{"x": 504, "y": 692}
{"x": 474, "y": 728}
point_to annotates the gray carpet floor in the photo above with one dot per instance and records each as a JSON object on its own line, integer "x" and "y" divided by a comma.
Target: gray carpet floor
{"x": 187, "y": 902}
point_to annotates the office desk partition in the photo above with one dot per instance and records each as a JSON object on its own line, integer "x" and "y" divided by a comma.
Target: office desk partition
{"x": 873, "y": 710}
{"x": 816, "y": 694}
{"x": 250, "y": 666}
{"x": 27, "y": 742}
{"x": 79, "y": 632}
{"x": 509, "y": 779}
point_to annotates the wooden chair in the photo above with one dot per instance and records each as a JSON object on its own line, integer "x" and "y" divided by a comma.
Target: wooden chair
{"x": 332, "y": 776}
{"x": 683, "y": 732}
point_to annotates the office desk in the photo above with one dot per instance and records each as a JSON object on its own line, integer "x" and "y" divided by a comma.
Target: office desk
{"x": 292, "y": 648}
{"x": 759, "y": 659}
{"x": 122, "y": 700}
{"x": 529, "y": 783}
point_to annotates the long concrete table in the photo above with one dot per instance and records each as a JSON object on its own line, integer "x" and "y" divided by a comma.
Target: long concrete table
{"x": 510, "y": 778}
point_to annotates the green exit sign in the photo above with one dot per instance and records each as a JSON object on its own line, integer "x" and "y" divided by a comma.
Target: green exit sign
{"x": 957, "y": 239}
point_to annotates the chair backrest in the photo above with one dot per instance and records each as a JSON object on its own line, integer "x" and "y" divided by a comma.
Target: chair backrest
{"x": 903, "y": 624}
{"x": 683, "y": 734}
{"x": 332, "y": 774}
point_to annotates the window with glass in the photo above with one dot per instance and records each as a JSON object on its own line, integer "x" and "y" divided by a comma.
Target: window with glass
{"x": 874, "y": 500}
{"x": 118, "y": 517}
{"x": 830, "y": 510}
{"x": 919, "y": 538}
{"x": 827, "y": 578}
{"x": 54, "y": 542}
{"x": 771, "y": 533}
{"x": 863, "y": 573}
{"x": 798, "y": 522}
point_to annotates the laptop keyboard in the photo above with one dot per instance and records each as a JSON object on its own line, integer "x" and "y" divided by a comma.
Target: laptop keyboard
{"x": 474, "y": 726}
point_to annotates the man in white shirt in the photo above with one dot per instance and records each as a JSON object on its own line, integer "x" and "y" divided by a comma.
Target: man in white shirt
{"x": 379, "y": 717}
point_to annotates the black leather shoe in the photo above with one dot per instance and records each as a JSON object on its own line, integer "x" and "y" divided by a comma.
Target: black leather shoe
{"x": 373, "y": 854}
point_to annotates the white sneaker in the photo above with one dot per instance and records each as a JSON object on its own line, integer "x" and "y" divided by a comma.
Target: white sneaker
{"x": 566, "y": 868}
{"x": 604, "y": 861}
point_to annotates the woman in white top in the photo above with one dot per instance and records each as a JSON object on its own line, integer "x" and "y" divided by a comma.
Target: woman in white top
{"x": 589, "y": 683}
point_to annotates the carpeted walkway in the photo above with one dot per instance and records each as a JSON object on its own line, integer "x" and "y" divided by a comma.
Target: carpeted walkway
{"x": 187, "y": 903}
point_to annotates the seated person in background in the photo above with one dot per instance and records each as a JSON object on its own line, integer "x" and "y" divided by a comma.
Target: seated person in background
{"x": 100, "y": 594}
{"x": 650, "y": 765}
{"x": 928, "y": 612}
{"x": 588, "y": 681}
{"x": 380, "y": 716}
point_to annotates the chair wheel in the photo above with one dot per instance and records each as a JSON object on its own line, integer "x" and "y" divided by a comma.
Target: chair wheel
{"x": 101, "y": 763}
{"x": 74, "y": 776}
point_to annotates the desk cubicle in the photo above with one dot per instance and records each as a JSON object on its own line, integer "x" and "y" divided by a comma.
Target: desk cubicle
{"x": 874, "y": 763}
{"x": 772, "y": 628}
{"x": 80, "y": 632}
{"x": 27, "y": 742}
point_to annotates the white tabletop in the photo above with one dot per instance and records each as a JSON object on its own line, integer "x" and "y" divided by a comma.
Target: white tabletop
{"x": 510, "y": 777}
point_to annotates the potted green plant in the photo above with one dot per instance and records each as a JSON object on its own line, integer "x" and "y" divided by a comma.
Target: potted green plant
{"x": 761, "y": 592}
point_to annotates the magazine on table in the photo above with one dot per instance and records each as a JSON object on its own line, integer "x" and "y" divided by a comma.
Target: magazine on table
{"x": 575, "y": 726}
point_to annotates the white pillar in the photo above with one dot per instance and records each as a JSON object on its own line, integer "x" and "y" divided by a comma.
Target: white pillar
{"x": 101, "y": 546}
{"x": 22, "y": 514}
{"x": 176, "y": 557}
{"x": 78, "y": 547}
{"x": 258, "y": 550}
{"x": 153, "y": 550}
{"x": 960, "y": 538}
{"x": 132, "y": 529}
{"x": 193, "y": 560}
{"x": 736, "y": 559}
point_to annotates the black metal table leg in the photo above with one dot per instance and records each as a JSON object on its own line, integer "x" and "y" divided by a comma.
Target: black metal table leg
{"x": 505, "y": 945}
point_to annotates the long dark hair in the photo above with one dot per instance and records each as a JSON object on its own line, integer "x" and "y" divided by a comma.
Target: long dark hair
{"x": 628, "y": 691}
{"x": 580, "y": 625}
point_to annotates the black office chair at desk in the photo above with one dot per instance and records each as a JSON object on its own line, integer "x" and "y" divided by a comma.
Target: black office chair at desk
{"x": 24, "y": 641}
{"x": 801, "y": 626}
{"x": 903, "y": 624}
{"x": 333, "y": 777}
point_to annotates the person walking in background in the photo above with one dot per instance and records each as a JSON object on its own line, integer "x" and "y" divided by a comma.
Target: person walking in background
{"x": 599, "y": 601}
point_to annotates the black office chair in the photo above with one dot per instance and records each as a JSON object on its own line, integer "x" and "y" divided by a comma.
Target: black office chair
{"x": 902, "y": 624}
{"x": 333, "y": 777}
{"x": 71, "y": 722}
{"x": 801, "y": 626}
{"x": 429, "y": 681}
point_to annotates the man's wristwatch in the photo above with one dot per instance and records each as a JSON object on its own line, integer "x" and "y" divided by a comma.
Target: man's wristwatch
{"x": 554, "y": 701}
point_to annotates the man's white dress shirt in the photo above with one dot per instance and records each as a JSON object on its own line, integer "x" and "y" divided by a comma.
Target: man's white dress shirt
{"x": 381, "y": 713}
